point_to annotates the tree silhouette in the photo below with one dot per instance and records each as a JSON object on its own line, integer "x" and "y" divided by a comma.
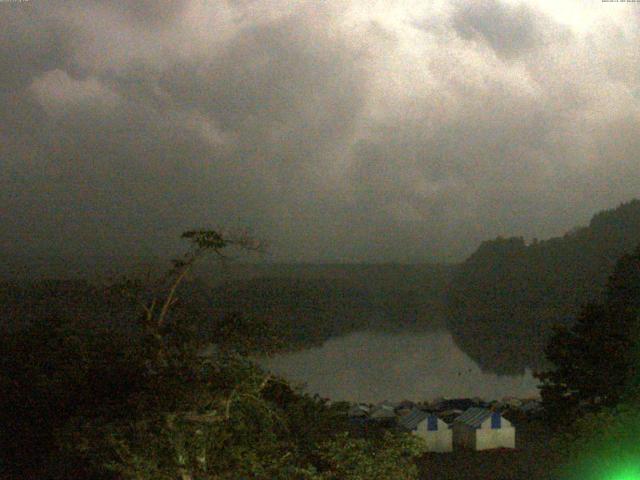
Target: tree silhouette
{"x": 595, "y": 360}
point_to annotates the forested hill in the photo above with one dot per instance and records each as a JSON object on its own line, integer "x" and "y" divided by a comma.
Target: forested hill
{"x": 305, "y": 303}
{"x": 312, "y": 303}
{"x": 505, "y": 297}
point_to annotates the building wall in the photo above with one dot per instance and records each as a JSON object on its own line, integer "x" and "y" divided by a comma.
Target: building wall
{"x": 438, "y": 441}
{"x": 504, "y": 437}
{"x": 503, "y": 423}
{"x": 467, "y": 437}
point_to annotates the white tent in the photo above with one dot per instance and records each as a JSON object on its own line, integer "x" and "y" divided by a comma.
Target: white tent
{"x": 382, "y": 412}
{"x": 481, "y": 429}
{"x": 433, "y": 430}
{"x": 358, "y": 411}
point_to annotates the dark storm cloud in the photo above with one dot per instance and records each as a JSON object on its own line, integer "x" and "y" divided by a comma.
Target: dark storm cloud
{"x": 30, "y": 43}
{"x": 483, "y": 166}
{"x": 147, "y": 152}
{"x": 150, "y": 12}
{"x": 276, "y": 74}
{"x": 510, "y": 30}
{"x": 335, "y": 130}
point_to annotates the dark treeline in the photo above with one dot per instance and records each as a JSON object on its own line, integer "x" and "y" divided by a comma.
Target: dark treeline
{"x": 308, "y": 303}
{"x": 98, "y": 384}
{"x": 315, "y": 304}
{"x": 119, "y": 382}
{"x": 499, "y": 304}
{"x": 505, "y": 298}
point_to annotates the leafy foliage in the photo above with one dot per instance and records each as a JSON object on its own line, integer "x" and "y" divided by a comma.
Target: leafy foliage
{"x": 52, "y": 372}
{"x": 359, "y": 459}
{"x": 602, "y": 445}
{"x": 596, "y": 360}
{"x": 158, "y": 401}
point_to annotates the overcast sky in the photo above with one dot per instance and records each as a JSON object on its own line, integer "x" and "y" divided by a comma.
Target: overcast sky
{"x": 337, "y": 130}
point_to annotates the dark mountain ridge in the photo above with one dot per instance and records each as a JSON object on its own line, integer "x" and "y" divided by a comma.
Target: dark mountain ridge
{"x": 306, "y": 304}
{"x": 503, "y": 300}
{"x": 499, "y": 304}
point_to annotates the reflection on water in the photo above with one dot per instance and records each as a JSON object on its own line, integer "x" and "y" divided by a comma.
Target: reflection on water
{"x": 371, "y": 367}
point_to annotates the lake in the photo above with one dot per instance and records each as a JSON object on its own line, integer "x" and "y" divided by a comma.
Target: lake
{"x": 372, "y": 366}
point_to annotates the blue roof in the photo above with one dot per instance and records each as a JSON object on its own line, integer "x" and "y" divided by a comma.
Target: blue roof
{"x": 417, "y": 416}
{"x": 474, "y": 417}
{"x": 413, "y": 418}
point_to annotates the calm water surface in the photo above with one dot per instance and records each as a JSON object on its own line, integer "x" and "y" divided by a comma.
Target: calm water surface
{"x": 372, "y": 367}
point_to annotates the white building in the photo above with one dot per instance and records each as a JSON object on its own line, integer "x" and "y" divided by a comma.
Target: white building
{"x": 428, "y": 426}
{"x": 482, "y": 429}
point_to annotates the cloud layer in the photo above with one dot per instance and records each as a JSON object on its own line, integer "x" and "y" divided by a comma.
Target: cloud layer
{"x": 337, "y": 130}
